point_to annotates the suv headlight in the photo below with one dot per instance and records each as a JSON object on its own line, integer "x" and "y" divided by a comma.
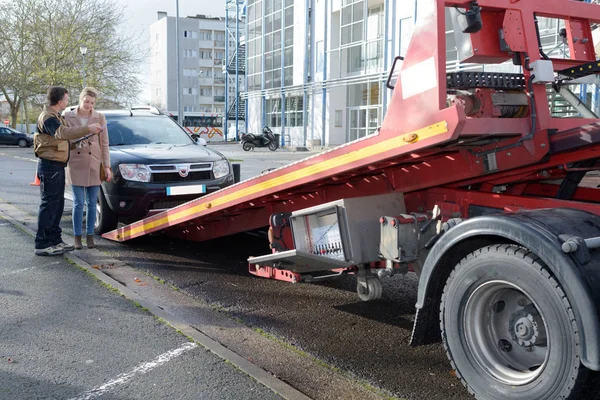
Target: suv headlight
{"x": 220, "y": 168}
{"x": 135, "y": 172}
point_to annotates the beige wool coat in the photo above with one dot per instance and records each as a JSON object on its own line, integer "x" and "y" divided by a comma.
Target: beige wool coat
{"x": 83, "y": 168}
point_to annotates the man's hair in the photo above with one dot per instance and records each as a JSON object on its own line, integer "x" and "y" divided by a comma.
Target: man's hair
{"x": 55, "y": 94}
{"x": 88, "y": 91}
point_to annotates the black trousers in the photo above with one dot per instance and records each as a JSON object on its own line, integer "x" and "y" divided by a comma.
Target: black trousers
{"x": 52, "y": 190}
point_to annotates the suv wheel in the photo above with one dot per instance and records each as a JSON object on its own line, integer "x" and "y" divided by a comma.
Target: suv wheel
{"x": 106, "y": 220}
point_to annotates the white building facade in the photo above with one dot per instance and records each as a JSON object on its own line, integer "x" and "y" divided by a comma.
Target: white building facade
{"x": 316, "y": 69}
{"x": 202, "y": 46}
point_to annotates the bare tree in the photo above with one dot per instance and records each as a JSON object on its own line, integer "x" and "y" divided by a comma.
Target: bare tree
{"x": 40, "y": 42}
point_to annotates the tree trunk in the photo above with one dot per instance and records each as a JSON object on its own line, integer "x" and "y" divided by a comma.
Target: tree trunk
{"x": 14, "y": 112}
{"x": 25, "y": 114}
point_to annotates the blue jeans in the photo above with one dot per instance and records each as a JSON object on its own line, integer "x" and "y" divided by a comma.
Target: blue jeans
{"x": 89, "y": 194}
{"x": 52, "y": 190}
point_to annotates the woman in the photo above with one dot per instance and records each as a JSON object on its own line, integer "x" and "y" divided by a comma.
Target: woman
{"x": 87, "y": 156}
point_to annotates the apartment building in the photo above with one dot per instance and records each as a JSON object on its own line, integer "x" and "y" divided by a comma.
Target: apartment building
{"x": 202, "y": 45}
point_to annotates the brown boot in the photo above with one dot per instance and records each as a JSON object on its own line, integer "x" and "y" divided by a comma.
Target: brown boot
{"x": 78, "y": 245}
{"x": 90, "y": 241}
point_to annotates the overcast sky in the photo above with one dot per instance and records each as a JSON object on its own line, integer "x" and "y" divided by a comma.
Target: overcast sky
{"x": 140, "y": 14}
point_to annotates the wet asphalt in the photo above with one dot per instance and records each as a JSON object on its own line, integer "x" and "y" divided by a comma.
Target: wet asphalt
{"x": 366, "y": 342}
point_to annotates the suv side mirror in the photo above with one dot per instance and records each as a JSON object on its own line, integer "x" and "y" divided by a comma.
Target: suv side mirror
{"x": 198, "y": 139}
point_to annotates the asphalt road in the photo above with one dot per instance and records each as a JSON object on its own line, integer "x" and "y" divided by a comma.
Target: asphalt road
{"x": 365, "y": 341}
{"x": 64, "y": 336}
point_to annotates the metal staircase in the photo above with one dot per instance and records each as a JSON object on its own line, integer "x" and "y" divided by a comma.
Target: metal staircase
{"x": 239, "y": 58}
{"x": 559, "y": 107}
{"x": 241, "y": 110}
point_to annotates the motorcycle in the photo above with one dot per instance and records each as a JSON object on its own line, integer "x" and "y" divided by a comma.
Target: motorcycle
{"x": 265, "y": 139}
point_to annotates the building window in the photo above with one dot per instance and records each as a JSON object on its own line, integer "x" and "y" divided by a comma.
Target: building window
{"x": 205, "y": 73}
{"x": 205, "y": 91}
{"x": 363, "y": 53}
{"x": 273, "y": 113}
{"x": 205, "y": 54}
{"x": 294, "y": 111}
{"x": 190, "y": 53}
{"x": 254, "y": 44}
{"x": 190, "y": 91}
{"x": 190, "y": 72}
{"x": 219, "y": 39}
{"x": 190, "y": 34}
{"x": 352, "y": 22}
{"x": 278, "y": 37}
{"x": 338, "y": 118}
{"x": 205, "y": 35}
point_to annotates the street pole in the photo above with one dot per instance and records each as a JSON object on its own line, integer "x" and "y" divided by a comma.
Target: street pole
{"x": 237, "y": 63}
{"x": 83, "y": 51}
{"x": 179, "y": 105}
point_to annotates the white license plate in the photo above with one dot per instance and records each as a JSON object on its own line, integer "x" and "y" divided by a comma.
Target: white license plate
{"x": 179, "y": 190}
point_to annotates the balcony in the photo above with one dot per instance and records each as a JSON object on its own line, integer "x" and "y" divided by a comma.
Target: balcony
{"x": 205, "y": 62}
{"x": 219, "y": 61}
{"x": 219, "y": 99}
{"x": 220, "y": 80}
{"x": 219, "y": 43}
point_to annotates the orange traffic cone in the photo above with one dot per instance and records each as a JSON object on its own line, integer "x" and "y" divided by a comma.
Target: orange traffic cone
{"x": 36, "y": 182}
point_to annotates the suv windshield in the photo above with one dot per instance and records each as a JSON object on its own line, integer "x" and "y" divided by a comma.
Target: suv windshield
{"x": 126, "y": 130}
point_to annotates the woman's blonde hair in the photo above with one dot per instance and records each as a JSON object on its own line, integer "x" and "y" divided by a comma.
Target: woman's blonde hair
{"x": 88, "y": 91}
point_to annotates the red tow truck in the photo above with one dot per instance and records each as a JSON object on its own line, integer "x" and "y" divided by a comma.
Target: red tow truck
{"x": 470, "y": 183}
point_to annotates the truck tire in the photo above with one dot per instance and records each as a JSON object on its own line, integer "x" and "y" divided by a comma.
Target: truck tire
{"x": 106, "y": 220}
{"x": 509, "y": 329}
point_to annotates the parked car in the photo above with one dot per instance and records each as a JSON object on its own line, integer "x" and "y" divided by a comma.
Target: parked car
{"x": 156, "y": 165}
{"x": 13, "y": 137}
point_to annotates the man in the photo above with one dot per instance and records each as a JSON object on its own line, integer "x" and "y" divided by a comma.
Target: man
{"x": 51, "y": 146}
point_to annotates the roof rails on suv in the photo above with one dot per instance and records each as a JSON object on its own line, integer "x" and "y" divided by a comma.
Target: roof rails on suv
{"x": 152, "y": 109}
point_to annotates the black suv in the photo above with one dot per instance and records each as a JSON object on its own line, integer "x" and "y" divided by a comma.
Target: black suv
{"x": 156, "y": 166}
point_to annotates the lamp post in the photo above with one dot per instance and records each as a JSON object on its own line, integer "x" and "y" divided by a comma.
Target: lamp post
{"x": 83, "y": 51}
{"x": 180, "y": 116}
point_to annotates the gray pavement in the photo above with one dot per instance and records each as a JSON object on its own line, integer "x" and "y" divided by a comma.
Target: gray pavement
{"x": 65, "y": 336}
{"x": 318, "y": 338}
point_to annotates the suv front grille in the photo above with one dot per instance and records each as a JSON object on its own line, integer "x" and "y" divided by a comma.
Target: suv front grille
{"x": 166, "y": 177}
{"x": 163, "y": 203}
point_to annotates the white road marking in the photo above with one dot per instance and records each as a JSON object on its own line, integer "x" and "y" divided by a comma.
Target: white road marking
{"x": 19, "y": 158}
{"x": 139, "y": 370}
{"x": 17, "y": 271}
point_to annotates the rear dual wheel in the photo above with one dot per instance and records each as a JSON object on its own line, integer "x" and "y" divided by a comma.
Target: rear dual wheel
{"x": 509, "y": 329}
